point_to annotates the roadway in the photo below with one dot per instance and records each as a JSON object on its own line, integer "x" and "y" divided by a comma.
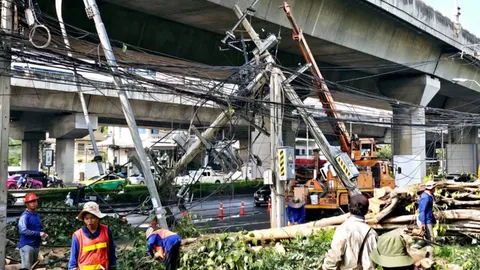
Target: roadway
{"x": 204, "y": 214}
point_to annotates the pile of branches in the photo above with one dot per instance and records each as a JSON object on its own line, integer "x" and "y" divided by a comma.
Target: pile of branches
{"x": 457, "y": 209}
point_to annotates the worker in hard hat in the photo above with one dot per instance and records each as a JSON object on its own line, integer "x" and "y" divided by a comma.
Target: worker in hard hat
{"x": 31, "y": 232}
{"x": 164, "y": 244}
{"x": 296, "y": 212}
{"x": 426, "y": 219}
{"x": 92, "y": 245}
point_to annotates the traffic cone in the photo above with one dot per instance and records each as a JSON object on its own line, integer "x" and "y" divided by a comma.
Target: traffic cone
{"x": 269, "y": 207}
{"x": 123, "y": 217}
{"x": 220, "y": 211}
{"x": 242, "y": 209}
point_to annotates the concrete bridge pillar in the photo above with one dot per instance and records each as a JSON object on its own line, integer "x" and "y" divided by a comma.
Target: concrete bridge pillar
{"x": 408, "y": 134}
{"x": 31, "y": 150}
{"x": 463, "y": 150}
{"x": 65, "y": 158}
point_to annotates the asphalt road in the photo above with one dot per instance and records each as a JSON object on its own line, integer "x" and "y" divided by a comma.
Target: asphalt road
{"x": 204, "y": 214}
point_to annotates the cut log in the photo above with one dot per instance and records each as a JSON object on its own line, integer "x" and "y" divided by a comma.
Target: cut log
{"x": 378, "y": 217}
{"x": 292, "y": 231}
{"x": 457, "y": 214}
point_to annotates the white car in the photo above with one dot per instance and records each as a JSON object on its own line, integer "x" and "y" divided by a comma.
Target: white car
{"x": 137, "y": 179}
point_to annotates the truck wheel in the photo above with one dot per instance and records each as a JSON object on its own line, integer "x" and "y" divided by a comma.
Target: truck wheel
{"x": 37, "y": 186}
{"x": 217, "y": 182}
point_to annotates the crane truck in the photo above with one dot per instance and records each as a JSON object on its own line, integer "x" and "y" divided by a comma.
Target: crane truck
{"x": 329, "y": 193}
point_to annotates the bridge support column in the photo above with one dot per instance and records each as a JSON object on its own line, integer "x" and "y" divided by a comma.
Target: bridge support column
{"x": 65, "y": 159}
{"x": 31, "y": 150}
{"x": 408, "y": 132}
{"x": 463, "y": 150}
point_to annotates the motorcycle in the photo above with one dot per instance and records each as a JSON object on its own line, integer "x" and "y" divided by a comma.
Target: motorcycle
{"x": 26, "y": 184}
{"x": 55, "y": 182}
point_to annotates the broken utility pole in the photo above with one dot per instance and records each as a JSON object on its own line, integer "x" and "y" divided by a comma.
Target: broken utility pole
{"x": 6, "y": 24}
{"x": 98, "y": 158}
{"x": 93, "y": 12}
{"x": 348, "y": 172}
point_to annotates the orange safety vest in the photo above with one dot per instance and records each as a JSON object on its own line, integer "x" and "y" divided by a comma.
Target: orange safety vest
{"x": 93, "y": 253}
{"x": 163, "y": 234}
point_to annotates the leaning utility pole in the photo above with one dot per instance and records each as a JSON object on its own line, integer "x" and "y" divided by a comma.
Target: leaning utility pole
{"x": 6, "y": 25}
{"x": 341, "y": 162}
{"x": 98, "y": 158}
{"x": 93, "y": 12}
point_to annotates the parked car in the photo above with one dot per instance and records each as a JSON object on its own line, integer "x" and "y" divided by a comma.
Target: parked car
{"x": 13, "y": 179}
{"x": 108, "y": 181}
{"x": 37, "y": 175}
{"x": 137, "y": 179}
{"x": 262, "y": 196}
{"x": 459, "y": 177}
{"x": 11, "y": 200}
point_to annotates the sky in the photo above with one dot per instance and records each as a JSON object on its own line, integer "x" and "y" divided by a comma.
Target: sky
{"x": 469, "y": 18}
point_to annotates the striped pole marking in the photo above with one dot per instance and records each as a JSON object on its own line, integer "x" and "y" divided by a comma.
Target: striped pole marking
{"x": 282, "y": 162}
{"x": 344, "y": 167}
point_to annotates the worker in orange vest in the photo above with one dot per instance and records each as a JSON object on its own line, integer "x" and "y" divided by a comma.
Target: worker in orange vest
{"x": 92, "y": 245}
{"x": 164, "y": 244}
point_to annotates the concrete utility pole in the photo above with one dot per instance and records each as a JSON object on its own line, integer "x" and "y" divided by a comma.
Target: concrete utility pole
{"x": 98, "y": 160}
{"x": 276, "y": 121}
{"x": 93, "y": 12}
{"x": 6, "y": 25}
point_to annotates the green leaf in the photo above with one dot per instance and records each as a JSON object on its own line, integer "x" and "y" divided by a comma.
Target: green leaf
{"x": 124, "y": 47}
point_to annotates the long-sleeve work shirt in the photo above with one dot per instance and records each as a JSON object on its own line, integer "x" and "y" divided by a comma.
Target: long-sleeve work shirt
{"x": 425, "y": 209}
{"x": 166, "y": 244}
{"x": 112, "y": 257}
{"x": 297, "y": 215}
{"x": 29, "y": 227}
{"x": 346, "y": 244}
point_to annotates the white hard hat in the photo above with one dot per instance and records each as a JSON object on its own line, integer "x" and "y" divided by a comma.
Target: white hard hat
{"x": 430, "y": 185}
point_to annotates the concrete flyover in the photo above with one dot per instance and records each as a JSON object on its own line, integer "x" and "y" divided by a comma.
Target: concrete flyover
{"x": 366, "y": 35}
{"x": 385, "y": 47}
{"x": 40, "y": 105}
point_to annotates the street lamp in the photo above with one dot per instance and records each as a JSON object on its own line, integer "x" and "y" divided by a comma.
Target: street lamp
{"x": 462, "y": 80}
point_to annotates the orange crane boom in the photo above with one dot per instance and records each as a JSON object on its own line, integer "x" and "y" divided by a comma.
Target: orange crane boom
{"x": 323, "y": 92}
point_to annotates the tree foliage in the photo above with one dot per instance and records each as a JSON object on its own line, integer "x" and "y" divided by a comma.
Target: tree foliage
{"x": 385, "y": 152}
{"x": 14, "y": 152}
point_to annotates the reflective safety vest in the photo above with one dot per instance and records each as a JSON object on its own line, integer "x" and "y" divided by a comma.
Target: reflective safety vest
{"x": 93, "y": 253}
{"x": 163, "y": 234}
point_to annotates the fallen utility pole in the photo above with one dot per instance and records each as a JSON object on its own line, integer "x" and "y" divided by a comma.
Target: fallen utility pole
{"x": 93, "y": 12}
{"x": 208, "y": 134}
{"x": 98, "y": 158}
{"x": 6, "y": 24}
{"x": 342, "y": 163}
